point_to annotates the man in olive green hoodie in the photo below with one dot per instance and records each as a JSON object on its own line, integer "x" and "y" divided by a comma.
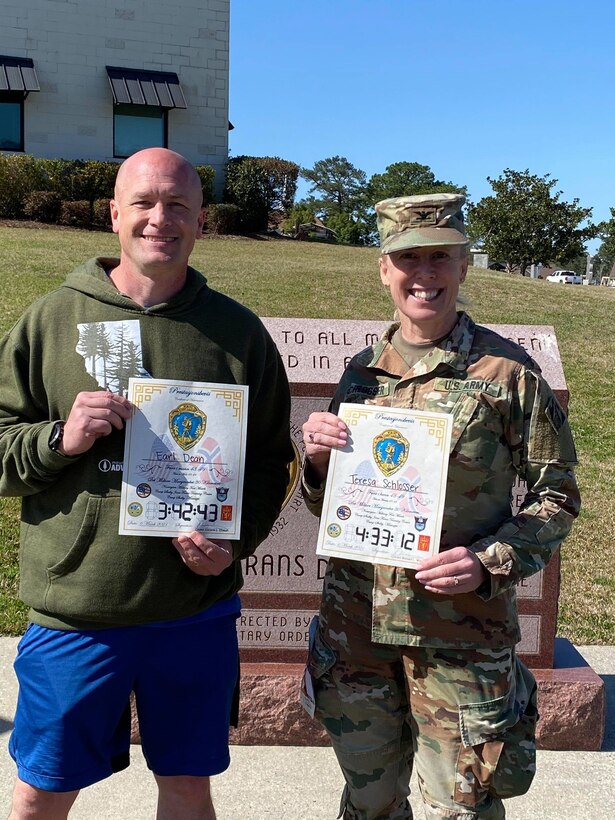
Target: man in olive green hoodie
{"x": 110, "y": 613}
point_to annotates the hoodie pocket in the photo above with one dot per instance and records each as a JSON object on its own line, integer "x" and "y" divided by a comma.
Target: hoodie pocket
{"x": 103, "y": 574}
{"x": 75, "y": 555}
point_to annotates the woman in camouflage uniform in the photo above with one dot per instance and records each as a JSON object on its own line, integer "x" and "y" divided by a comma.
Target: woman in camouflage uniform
{"x": 418, "y": 668}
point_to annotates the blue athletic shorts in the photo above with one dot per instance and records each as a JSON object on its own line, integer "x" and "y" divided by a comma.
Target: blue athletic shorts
{"x": 72, "y": 724}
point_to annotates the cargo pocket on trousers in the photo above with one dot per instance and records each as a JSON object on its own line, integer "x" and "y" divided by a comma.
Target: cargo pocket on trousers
{"x": 497, "y": 757}
{"x": 321, "y": 659}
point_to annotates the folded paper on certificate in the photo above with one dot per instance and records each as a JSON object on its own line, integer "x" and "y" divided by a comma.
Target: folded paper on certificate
{"x": 184, "y": 458}
{"x": 385, "y": 491}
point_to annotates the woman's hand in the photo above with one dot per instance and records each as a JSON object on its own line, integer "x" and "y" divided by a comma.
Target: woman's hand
{"x": 321, "y": 433}
{"x": 452, "y": 572}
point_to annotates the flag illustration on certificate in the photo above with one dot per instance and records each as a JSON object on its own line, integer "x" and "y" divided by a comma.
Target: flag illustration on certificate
{"x": 385, "y": 491}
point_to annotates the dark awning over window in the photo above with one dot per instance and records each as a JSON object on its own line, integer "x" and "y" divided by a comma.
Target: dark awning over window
{"x": 137, "y": 87}
{"x": 18, "y": 74}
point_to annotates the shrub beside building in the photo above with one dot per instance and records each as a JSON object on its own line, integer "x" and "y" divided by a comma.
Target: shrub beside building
{"x": 66, "y": 192}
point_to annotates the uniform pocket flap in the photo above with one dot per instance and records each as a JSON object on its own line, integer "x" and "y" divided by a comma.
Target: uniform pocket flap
{"x": 483, "y": 722}
{"x": 463, "y": 411}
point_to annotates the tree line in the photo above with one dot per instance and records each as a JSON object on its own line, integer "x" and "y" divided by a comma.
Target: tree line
{"x": 524, "y": 222}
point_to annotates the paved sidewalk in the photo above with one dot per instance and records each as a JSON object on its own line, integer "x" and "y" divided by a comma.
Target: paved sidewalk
{"x": 292, "y": 783}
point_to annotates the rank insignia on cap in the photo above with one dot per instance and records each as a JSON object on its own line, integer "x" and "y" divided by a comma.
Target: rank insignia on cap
{"x": 187, "y": 425}
{"x": 390, "y": 451}
{"x": 420, "y": 217}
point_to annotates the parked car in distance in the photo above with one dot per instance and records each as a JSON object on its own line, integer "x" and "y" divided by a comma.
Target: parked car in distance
{"x": 565, "y": 277}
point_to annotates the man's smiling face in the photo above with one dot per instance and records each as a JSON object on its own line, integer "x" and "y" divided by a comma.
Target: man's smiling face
{"x": 157, "y": 212}
{"x": 424, "y": 284}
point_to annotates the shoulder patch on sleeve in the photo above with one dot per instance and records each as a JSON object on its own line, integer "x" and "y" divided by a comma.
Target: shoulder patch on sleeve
{"x": 550, "y": 438}
{"x": 555, "y": 414}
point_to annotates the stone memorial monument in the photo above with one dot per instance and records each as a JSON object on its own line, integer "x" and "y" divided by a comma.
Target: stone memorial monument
{"x": 284, "y": 578}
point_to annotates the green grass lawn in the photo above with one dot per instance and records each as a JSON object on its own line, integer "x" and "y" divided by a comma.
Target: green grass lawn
{"x": 295, "y": 279}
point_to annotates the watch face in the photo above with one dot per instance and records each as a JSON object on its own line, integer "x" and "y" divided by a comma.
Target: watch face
{"x": 55, "y": 439}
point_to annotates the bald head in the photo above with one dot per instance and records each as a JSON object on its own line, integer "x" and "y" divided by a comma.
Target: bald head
{"x": 159, "y": 163}
{"x": 157, "y": 214}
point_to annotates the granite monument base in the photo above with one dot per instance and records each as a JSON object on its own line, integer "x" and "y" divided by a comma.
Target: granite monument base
{"x": 571, "y": 702}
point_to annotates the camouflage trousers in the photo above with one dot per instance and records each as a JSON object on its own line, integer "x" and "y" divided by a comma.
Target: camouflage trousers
{"x": 465, "y": 719}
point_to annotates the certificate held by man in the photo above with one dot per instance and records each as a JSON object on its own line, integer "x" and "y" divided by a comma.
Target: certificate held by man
{"x": 385, "y": 490}
{"x": 184, "y": 458}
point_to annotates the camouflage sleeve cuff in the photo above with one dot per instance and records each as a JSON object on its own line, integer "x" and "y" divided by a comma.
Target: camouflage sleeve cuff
{"x": 497, "y": 560}
{"x": 312, "y": 487}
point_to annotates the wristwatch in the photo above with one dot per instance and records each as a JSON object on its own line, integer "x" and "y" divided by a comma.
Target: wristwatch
{"x": 57, "y": 434}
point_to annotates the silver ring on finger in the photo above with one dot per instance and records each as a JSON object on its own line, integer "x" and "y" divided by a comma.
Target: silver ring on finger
{"x": 455, "y": 580}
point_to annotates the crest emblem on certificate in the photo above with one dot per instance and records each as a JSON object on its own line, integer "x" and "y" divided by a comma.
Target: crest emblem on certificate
{"x": 390, "y": 451}
{"x": 187, "y": 425}
{"x": 420, "y": 523}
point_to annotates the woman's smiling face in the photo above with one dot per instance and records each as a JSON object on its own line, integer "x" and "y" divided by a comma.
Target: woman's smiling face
{"x": 424, "y": 284}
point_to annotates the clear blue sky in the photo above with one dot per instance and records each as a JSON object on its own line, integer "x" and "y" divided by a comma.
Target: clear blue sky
{"x": 467, "y": 87}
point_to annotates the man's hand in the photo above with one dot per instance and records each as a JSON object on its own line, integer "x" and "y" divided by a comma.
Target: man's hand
{"x": 93, "y": 415}
{"x": 202, "y": 556}
{"x": 452, "y": 572}
{"x": 321, "y": 432}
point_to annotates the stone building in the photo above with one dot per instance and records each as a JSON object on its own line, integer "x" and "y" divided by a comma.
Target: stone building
{"x": 99, "y": 79}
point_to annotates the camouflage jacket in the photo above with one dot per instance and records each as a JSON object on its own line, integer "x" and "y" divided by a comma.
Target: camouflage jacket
{"x": 506, "y": 424}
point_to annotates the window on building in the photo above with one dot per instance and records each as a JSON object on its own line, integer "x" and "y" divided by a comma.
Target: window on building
{"x": 141, "y": 102}
{"x": 136, "y": 127}
{"x": 17, "y": 79}
{"x": 11, "y": 121}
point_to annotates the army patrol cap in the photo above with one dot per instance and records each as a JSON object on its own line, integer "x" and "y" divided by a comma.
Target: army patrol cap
{"x": 416, "y": 221}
